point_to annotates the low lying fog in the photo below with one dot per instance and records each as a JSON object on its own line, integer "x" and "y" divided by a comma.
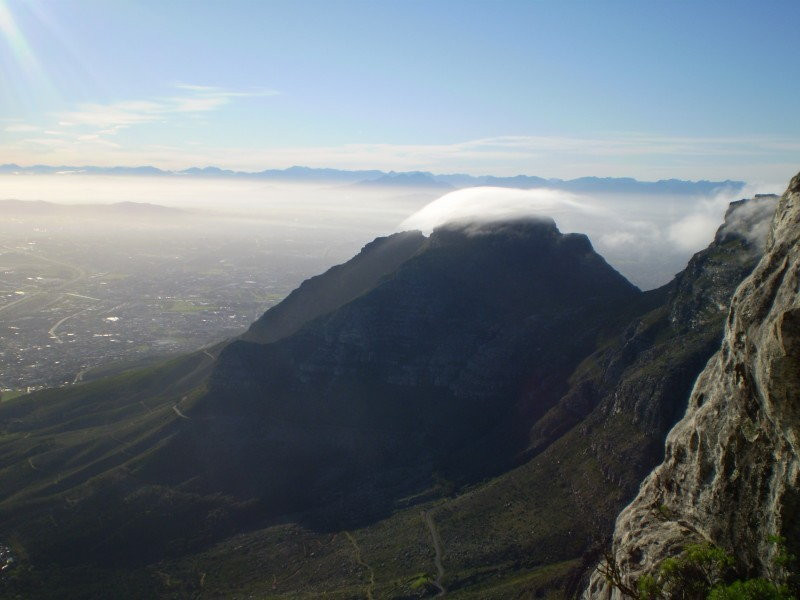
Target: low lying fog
{"x": 648, "y": 238}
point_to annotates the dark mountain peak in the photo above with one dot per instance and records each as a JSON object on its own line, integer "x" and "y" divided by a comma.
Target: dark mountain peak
{"x": 336, "y": 287}
{"x": 525, "y": 227}
{"x": 499, "y": 260}
{"x": 531, "y": 232}
{"x": 470, "y": 337}
{"x": 531, "y": 248}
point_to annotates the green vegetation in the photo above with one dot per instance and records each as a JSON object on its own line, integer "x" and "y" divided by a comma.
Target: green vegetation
{"x": 752, "y": 589}
{"x": 706, "y": 572}
{"x": 11, "y": 394}
{"x": 420, "y": 581}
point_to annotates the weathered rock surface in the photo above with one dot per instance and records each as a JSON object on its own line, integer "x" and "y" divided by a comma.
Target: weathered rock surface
{"x": 730, "y": 473}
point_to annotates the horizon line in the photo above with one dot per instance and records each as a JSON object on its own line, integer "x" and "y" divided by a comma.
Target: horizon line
{"x": 212, "y": 170}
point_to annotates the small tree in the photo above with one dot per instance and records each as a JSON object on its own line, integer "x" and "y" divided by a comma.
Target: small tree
{"x": 705, "y": 572}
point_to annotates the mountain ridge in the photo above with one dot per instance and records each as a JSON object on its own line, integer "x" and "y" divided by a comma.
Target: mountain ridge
{"x": 126, "y": 208}
{"x": 406, "y": 179}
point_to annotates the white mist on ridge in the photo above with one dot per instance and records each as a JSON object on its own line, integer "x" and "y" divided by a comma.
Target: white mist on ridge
{"x": 648, "y": 239}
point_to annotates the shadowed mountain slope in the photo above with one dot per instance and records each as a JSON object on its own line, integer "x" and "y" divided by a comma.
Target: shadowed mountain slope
{"x": 503, "y": 378}
{"x": 478, "y": 325}
{"x": 337, "y": 286}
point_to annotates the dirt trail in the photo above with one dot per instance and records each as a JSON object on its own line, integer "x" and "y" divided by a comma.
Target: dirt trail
{"x": 178, "y": 410}
{"x": 79, "y": 376}
{"x": 179, "y": 413}
{"x": 361, "y": 562}
{"x": 437, "y": 547}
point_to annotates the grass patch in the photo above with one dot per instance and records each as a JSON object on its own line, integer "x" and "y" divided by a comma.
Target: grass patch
{"x": 11, "y": 394}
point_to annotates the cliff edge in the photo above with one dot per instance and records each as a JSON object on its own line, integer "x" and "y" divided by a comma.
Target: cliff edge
{"x": 731, "y": 466}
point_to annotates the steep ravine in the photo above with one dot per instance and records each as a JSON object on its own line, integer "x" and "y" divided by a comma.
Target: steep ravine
{"x": 730, "y": 473}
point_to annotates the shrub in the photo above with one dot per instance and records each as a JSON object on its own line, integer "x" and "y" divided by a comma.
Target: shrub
{"x": 706, "y": 572}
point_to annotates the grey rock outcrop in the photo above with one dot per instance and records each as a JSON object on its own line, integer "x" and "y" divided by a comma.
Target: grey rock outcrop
{"x": 731, "y": 467}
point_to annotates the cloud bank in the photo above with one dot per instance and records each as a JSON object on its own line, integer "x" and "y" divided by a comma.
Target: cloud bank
{"x": 648, "y": 239}
{"x": 488, "y": 204}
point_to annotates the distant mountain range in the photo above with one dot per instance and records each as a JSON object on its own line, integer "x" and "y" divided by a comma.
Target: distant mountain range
{"x": 409, "y": 179}
{"x": 39, "y": 208}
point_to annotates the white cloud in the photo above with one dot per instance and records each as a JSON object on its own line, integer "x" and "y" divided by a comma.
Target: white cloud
{"x": 21, "y": 128}
{"x": 487, "y": 204}
{"x": 198, "y": 104}
{"x": 81, "y": 135}
{"x": 197, "y": 88}
{"x": 692, "y": 231}
{"x": 110, "y": 117}
{"x": 615, "y": 239}
{"x": 647, "y": 238}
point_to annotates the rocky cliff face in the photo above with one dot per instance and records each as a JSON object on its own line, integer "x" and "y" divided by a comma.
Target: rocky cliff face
{"x": 731, "y": 466}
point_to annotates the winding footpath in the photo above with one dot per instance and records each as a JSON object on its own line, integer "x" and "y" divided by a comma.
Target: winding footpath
{"x": 437, "y": 547}
{"x": 361, "y": 562}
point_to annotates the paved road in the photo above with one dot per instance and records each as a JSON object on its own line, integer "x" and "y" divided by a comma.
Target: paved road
{"x": 52, "y": 331}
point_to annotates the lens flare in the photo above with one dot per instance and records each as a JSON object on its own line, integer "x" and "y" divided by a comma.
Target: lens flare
{"x": 17, "y": 42}
{"x": 21, "y": 62}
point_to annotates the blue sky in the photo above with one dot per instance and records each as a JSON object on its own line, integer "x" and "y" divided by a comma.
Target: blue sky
{"x": 560, "y": 89}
